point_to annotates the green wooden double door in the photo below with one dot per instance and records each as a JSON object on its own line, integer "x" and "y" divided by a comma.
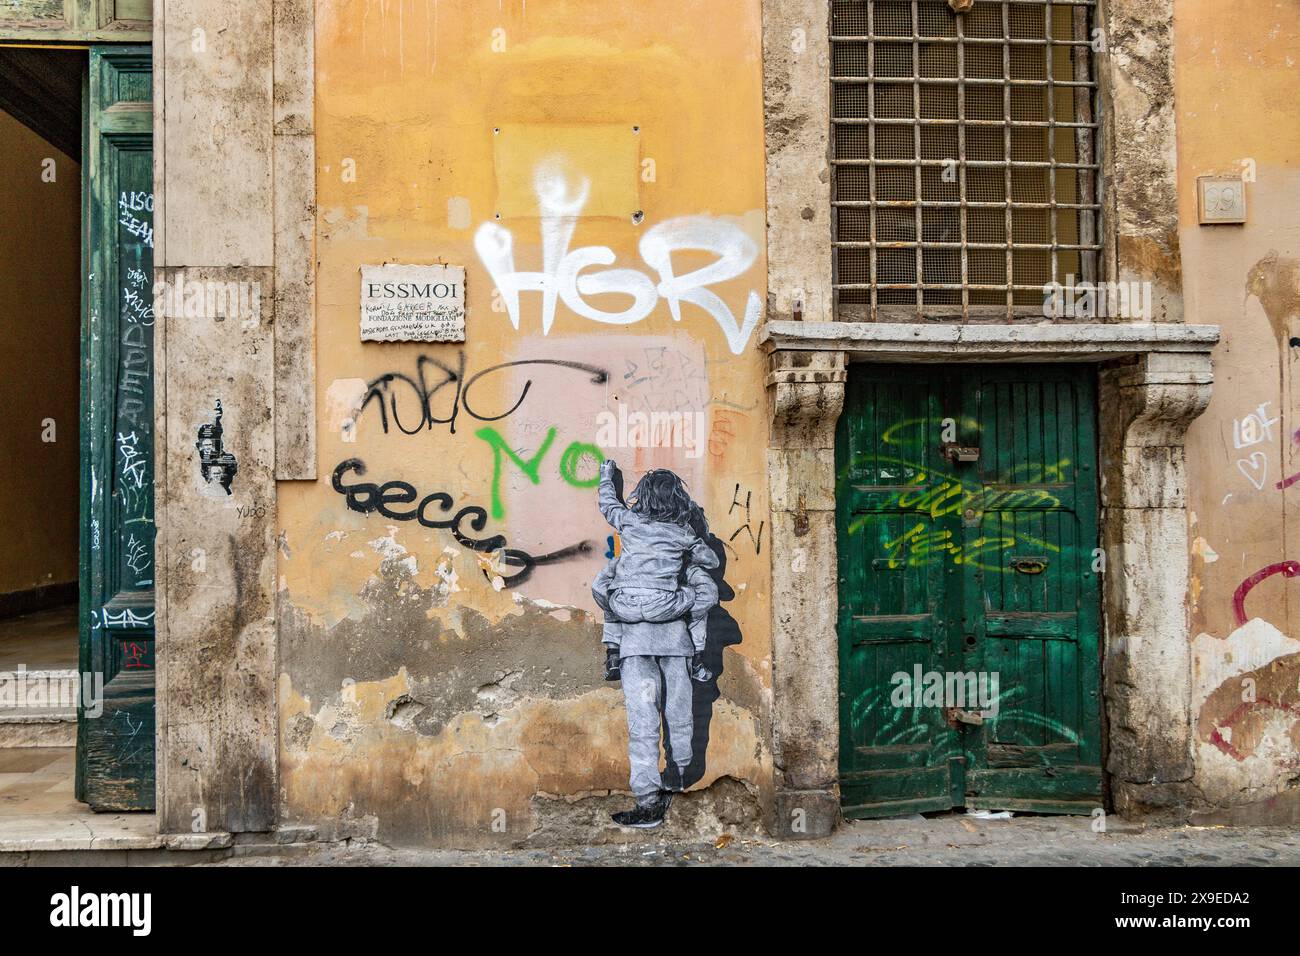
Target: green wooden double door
{"x": 969, "y": 576}
{"x": 115, "y": 726}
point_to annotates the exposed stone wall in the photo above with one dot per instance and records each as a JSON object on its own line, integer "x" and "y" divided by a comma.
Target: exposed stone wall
{"x": 216, "y": 221}
{"x": 796, "y": 119}
{"x": 1139, "y": 149}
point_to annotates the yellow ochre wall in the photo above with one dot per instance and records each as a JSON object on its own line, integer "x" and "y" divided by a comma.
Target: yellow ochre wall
{"x": 1237, "y": 103}
{"x": 39, "y": 357}
{"x": 423, "y": 697}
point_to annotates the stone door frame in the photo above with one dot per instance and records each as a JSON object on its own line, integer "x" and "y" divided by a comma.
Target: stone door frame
{"x": 1153, "y": 380}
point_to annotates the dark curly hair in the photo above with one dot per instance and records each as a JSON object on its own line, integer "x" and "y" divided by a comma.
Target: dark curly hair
{"x": 661, "y": 496}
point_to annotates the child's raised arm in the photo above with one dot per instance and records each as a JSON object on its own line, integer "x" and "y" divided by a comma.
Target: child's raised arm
{"x": 611, "y": 506}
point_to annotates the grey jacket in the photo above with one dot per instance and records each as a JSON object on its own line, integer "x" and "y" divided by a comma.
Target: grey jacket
{"x": 652, "y": 553}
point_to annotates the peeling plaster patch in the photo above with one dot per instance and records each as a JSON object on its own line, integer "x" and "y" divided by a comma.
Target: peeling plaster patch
{"x": 743, "y": 684}
{"x": 389, "y": 546}
{"x": 447, "y": 661}
{"x": 336, "y": 536}
{"x": 561, "y": 612}
{"x": 341, "y": 223}
{"x": 343, "y": 404}
{"x": 390, "y": 549}
{"x": 1249, "y": 647}
{"x": 497, "y": 695}
{"x": 490, "y": 565}
{"x": 404, "y": 712}
{"x": 1201, "y": 548}
{"x": 446, "y": 571}
{"x": 458, "y": 213}
{"x": 1247, "y": 709}
{"x": 445, "y": 786}
{"x": 453, "y": 714}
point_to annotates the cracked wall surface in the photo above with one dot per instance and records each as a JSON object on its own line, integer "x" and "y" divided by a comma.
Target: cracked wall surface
{"x": 435, "y": 689}
{"x": 440, "y": 658}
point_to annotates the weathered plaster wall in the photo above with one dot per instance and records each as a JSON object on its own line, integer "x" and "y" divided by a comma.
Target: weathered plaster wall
{"x": 430, "y": 692}
{"x": 39, "y": 359}
{"x": 1236, "y": 70}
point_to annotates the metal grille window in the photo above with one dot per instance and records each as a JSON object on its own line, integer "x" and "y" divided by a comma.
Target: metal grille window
{"x": 965, "y": 173}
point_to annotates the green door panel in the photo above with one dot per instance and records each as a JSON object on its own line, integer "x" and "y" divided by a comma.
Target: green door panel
{"x": 895, "y": 611}
{"x": 1035, "y": 610}
{"x": 969, "y": 578}
{"x": 115, "y": 747}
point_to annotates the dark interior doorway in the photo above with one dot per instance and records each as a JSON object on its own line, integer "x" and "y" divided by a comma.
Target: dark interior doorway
{"x": 40, "y": 374}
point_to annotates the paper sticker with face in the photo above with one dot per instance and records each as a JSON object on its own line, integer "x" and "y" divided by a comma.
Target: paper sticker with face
{"x": 217, "y": 466}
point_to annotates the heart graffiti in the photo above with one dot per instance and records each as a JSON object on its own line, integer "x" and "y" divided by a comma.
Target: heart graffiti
{"x": 1255, "y": 468}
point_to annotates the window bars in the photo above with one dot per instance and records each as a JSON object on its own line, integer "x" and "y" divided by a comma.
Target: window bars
{"x": 965, "y": 166}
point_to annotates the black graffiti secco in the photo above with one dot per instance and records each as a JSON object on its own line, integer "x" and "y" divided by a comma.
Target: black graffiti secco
{"x": 399, "y": 501}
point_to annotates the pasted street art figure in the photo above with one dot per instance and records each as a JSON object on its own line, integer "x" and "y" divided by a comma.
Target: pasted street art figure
{"x": 656, "y": 593}
{"x": 217, "y": 466}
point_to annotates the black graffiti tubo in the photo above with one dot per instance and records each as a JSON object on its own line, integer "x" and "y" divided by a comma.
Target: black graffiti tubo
{"x": 383, "y": 391}
{"x": 434, "y": 511}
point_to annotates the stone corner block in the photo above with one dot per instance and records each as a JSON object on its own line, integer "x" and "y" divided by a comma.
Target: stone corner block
{"x": 805, "y": 814}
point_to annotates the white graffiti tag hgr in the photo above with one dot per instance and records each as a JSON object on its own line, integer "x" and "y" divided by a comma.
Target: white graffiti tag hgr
{"x": 561, "y": 278}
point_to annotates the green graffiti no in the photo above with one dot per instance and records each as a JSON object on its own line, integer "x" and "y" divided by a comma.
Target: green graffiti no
{"x": 572, "y": 457}
{"x": 530, "y": 467}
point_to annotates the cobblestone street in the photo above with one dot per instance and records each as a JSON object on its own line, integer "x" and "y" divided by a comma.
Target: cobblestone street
{"x": 951, "y": 840}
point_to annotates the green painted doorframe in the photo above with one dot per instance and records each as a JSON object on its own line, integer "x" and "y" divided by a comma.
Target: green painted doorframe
{"x": 115, "y": 743}
{"x": 969, "y": 622}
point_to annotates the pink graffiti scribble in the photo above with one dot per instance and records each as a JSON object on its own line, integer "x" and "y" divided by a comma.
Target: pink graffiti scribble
{"x": 1286, "y": 483}
{"x": 1289, "y": 569}
{"x": 1231, "y": 721}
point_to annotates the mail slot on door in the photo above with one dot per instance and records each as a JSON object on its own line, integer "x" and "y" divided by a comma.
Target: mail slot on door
{"x": 1028, "y": 563}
